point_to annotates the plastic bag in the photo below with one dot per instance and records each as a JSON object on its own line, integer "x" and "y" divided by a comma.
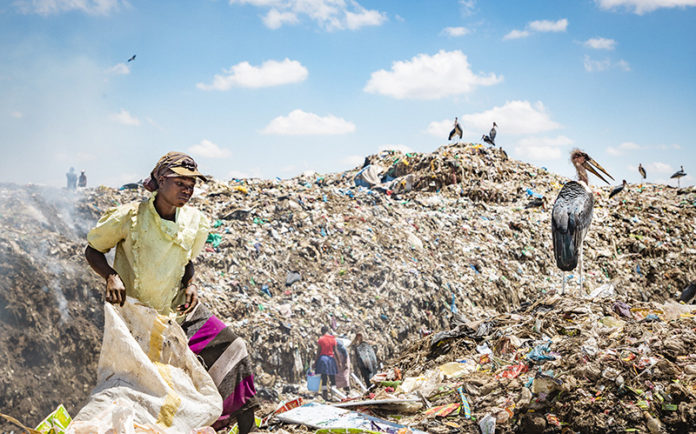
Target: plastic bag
{"x": 147, "y": 378}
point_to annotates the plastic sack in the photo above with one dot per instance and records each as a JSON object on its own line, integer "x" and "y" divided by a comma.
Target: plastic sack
{"x": 147, "y": 378}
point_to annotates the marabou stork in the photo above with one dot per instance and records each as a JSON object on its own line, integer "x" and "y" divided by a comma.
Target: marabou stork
{"x": 572, "y": 214}
{"x": 679, "y": 175}
{"x": 132, "y": 58}
{"x": 490, "y": 138}
{"x": 641, "y": 169}
{"x": 456, "y": 131}
{"x": 536, "y": 203}
{"x": 618, "y": 189}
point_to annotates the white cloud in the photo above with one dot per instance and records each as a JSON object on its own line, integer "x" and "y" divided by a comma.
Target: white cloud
{"x": 592, "y": 65}
{"x": 549, "y": 26}
{"x": 541, "y": 26}
{"x": 455, "y": 31}
{"x": 299, "y": 122}
{"x": 641, "y": 7}
{"x": 328, "y": 14}
{"x": 17, "y": 114}
{"x": 626, "y": 147}
{"x": 353, "y": 160}
{"x": 270, "y": 73}
{"x": 600, "y": 43}
{"x": 622, "y": 64}
{"x": 542, "y": 148}
{"x": 516, "y": 34}
{"x": 659, "y": 167}
{"x": 468, "y": 6}
{"x": 125, "y": 118}
{"x": 402, "y": 148}
{"x": 665, "y": 147}
{"x": 275, "y": 19}
{"x": 51, "y": 7}
{"x": 364, "y": 18}
{"x": 119, "y": 69}
{"x": 446, "y": 73}
{"x": 622, "y": 148}
{"x": 514, "y": 117}
{"x": 208, "y": 149}
{"x": 441, "y": 128}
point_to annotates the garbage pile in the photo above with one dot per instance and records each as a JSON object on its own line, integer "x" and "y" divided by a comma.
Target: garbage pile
{"x": 394, "y": 248}
{"x": 604, "y": 364}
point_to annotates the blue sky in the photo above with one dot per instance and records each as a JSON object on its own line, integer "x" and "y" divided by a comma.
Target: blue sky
{"x": 266, "y": 88}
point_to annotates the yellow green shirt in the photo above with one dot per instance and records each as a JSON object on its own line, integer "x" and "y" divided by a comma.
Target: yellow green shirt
{"x": 151, "y": 252}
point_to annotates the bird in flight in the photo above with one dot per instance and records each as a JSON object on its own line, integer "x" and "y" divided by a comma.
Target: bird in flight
{"x": 132, "y": 58}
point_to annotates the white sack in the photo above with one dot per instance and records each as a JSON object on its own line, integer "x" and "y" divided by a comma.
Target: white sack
{"x": 146, "y": 368}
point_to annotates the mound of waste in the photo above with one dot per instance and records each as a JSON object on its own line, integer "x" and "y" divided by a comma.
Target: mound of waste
{"x": 394, "y": 248}
{"x": 594, "y": 365}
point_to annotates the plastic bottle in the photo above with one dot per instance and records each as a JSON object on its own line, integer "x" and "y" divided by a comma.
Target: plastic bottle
{"x": 654, "y": 425}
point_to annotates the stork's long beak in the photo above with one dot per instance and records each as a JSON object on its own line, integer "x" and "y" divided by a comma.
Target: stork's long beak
{"x": 590, "y": 166}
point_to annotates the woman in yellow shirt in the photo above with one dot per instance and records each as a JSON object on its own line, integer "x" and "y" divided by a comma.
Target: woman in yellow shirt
{"x": 156, "y": 241}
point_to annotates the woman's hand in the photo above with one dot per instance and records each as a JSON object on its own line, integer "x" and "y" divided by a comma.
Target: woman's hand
{"x": 191, "y": 299}
{"x": 115, "y": 290}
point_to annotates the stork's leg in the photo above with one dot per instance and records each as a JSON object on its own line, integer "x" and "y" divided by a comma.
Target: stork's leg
{"x": 581, "y": 264}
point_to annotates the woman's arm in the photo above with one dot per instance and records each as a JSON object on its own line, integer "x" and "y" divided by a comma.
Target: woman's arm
{"x": 115, "y": 290}
{"x": 191, "y": 289}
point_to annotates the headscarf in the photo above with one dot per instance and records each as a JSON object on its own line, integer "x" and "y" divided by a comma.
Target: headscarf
{"x": 172, "y": 164}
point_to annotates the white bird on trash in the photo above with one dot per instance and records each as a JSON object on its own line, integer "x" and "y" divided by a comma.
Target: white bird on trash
{"x": 679, "y": 175}
{"x": 456, "y": 131}
{"x": 572, "y": 215}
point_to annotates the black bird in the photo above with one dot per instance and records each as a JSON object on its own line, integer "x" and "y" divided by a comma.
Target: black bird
{"x": 641, "y": 169}
{"x": 572, "y": 214}
{"x": 618, "y": 189}
{"x": 132, "y": 58}
{"x": 490, "y": 138}
{"x": 457, "y": 130}
{"x": 679, "y": 175}
{"x": 536, "y": 203}
{"x": 689, "y": 292}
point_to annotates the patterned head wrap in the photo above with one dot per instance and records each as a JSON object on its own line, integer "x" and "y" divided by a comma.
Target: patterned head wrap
{"x": 172, "y": 164}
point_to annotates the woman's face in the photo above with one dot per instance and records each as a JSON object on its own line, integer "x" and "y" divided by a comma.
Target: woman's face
{"x": 176, "y": 190}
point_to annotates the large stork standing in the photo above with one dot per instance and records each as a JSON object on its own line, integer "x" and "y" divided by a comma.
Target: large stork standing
{"x": 456, "y": 131}
{"x": 572, "y": 214}
{"x": 679, "y": 175}
{"x": 641, "y": 170}
{"x": 490, "y": 138}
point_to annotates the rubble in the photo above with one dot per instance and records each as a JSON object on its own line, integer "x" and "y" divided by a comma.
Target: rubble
{"x": 436, "y": 235}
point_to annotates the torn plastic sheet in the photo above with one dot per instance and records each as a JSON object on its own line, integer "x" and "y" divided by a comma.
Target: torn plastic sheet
{"x": 319, "y": 416}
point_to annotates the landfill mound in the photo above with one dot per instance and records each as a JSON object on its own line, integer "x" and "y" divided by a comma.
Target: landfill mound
{"x": 437, "y": 233}
{"x": 595, "y": 366}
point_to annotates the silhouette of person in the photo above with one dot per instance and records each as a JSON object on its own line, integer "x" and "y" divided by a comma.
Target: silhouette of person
{"x": 72, "y": 179}
{"x": 83, "y": 180}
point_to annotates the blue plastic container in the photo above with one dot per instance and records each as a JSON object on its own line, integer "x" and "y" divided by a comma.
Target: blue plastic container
{"x": 313, "y": 382}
